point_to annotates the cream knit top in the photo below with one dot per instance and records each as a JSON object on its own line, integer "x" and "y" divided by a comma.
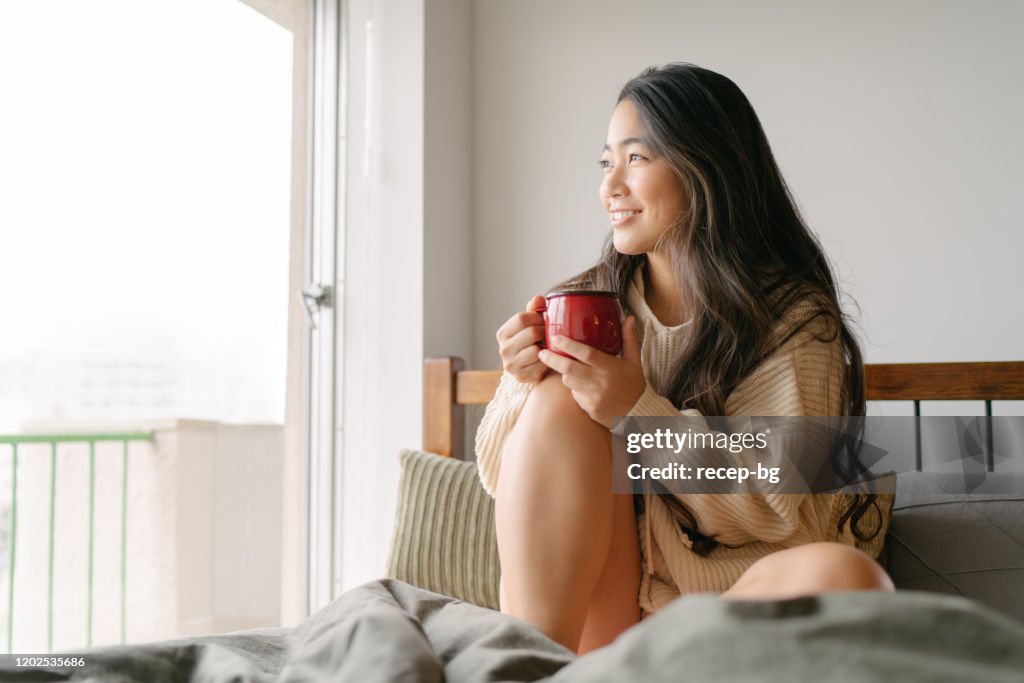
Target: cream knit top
{"x": 801, "y": 378}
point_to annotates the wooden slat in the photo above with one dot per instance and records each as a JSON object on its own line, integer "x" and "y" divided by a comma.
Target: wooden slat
{"x": 1001, "y": 381}
{"x": 442, "y": 418}
{"x": 447, "y": 388}
{"x": 473, "y": 387}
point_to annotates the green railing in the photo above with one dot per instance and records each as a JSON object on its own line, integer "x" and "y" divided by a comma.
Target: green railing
{"x": 53, "y": 440}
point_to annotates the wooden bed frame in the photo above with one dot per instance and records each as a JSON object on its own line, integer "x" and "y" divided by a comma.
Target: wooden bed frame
{"x": 448, "y": 387}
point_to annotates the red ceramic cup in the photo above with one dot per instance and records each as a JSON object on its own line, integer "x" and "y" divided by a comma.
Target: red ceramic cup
{"x": 586, "y": 315}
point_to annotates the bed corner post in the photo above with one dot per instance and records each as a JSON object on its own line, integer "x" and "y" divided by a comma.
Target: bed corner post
{"x": 443, "y": 431}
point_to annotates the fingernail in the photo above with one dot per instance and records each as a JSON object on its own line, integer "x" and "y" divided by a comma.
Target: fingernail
{"x": 543, "y": 354}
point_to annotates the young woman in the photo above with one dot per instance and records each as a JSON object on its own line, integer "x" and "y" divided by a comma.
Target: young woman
{"x": 732, "y": 310}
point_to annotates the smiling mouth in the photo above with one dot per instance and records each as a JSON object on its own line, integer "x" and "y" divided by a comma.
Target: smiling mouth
{"x": 619, "y": 217}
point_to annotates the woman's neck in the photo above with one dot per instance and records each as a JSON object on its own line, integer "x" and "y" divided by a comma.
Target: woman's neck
{"x": 662, "y": 291}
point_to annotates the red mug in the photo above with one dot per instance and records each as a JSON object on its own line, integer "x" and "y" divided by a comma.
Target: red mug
{"x": 592, "y": 317}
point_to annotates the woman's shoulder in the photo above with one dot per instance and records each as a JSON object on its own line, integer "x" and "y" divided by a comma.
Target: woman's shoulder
{"x": 808, "y": 319}
{"x": 801, "y": 373}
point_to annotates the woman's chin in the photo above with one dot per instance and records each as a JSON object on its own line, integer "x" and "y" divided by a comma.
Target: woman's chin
{"x": 625, "y": 246}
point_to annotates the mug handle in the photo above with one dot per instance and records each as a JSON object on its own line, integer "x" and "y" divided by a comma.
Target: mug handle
{"x": 543, "y": 313}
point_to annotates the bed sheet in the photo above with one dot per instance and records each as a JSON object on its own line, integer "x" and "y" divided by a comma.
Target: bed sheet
{"x": 390, "y": 631}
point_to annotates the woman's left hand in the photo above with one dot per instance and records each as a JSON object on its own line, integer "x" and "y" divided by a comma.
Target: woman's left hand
{"x": 604, "y": 386}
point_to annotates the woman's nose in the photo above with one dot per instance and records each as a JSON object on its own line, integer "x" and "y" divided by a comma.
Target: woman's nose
{"x": 613, "y": 184}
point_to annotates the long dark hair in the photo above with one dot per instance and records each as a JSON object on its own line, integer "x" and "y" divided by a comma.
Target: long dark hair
{"x": 742, "y": 252}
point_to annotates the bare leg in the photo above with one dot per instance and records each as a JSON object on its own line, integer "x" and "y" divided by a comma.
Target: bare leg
{"x": 568, "y": 547}
{"x": 808, "y": 570}
{"x": 615, "y": 604}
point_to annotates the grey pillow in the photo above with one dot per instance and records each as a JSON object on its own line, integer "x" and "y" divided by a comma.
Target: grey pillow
{"x": 444, "y": 530}
{"x": 962, "y": 544}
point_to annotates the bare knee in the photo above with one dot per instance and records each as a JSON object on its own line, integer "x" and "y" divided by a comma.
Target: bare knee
{"x": 554, "y": 440}
{"x": 811, "y": 569}
{"x": 551, "y": 418}
{"x": 840, "y": 567}
{"x": 553, "y": 401}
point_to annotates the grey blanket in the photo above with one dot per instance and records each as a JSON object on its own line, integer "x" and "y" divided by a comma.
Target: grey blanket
{"x": 390, "y": 631}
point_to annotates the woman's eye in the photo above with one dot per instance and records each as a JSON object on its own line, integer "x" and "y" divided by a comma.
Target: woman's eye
{"x": 604, "y": 163}
{"x": 637, "y": 157}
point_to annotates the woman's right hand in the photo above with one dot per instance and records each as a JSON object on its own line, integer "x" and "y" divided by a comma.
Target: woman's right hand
{"x": 517, "y": 343}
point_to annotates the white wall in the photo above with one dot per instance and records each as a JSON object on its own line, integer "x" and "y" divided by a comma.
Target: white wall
{"x": 895, "y": 123}
{"x": 383, "y": 264}
{"x": 407, "y": 237}
{"x": 448, "y": 178}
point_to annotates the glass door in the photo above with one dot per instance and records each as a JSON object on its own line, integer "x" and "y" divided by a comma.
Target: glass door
{"x": 155, "y": 354}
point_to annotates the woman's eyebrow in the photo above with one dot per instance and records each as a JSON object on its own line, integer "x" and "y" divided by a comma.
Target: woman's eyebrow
{"x": 628, "y": 141}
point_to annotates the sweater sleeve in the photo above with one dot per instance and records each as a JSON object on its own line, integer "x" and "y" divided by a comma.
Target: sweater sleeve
{"x": 801, "y": 378}
{"x": 499, "y": 418}
{"x": 653, "y": 404}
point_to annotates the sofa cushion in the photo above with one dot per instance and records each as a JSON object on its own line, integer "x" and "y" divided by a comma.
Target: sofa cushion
{"x": 959, "y": 543}
{"x": 444, "y": 537}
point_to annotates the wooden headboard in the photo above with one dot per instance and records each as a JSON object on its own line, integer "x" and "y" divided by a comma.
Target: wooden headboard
{"x": 447, "y": 387}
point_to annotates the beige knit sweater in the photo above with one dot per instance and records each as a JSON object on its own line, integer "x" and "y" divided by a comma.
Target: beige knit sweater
{"x": 801, "y": 378}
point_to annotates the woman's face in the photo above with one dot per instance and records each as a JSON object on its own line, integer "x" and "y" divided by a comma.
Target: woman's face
{"x": 642, "y": 195}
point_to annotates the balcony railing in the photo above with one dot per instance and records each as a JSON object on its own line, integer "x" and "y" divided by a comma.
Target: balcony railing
{"x": 53, "y": 440}
{"x": 161, "y": 530}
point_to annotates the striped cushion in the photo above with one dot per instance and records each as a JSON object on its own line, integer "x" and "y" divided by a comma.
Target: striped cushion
{"x": 444, "y": 530}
